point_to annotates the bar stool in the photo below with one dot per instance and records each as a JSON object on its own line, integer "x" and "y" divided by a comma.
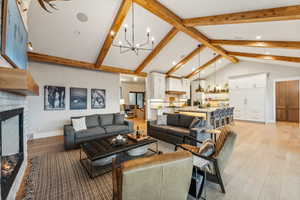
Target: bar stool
{"x": 227, "y": 117}
{"x": 217, "y": 118}
{"x": 223, "y": 117}
{"x": 231, "y": 117}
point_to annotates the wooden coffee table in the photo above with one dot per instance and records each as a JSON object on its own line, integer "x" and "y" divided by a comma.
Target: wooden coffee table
{"x": 92, "y": 151}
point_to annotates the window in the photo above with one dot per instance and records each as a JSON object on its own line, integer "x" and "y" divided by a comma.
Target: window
{"x": 137, "y": 98}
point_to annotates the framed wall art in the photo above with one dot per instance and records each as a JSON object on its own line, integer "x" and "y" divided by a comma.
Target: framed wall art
{"x": 78, "y": 98}
{"x": 54, "y": 98}
{"x": 98, "y": 98}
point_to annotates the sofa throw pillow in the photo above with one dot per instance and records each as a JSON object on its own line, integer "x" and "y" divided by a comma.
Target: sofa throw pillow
{"x": 161, "y": 120}
{"x": 207, "y": 149}
{"x": 195, "y": 123}
{"x": 79, "y": 124}
{"x": 119, "y": 119}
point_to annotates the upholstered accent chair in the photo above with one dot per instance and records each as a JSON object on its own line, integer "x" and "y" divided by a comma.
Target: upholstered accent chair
{"x": 160, "y": 177}
{"x": 224, "y": 147}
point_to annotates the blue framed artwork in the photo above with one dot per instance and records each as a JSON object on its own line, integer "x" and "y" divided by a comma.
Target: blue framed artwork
{"x": 14, "y": 35}
{"x": 78, "y": 98}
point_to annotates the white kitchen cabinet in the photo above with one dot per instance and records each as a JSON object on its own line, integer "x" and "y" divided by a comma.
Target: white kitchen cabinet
{"x": 248, "y": 97}
{"x": 251, "y": 81}
{"x": 157, "y": 86}
{"x": 174, "y": 84}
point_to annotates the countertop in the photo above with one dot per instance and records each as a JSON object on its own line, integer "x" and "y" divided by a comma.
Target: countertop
{"x": 201, "y": 110}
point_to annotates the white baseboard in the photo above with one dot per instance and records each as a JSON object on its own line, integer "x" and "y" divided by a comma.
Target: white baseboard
{"x": 47, "y": 134}
{"x": 270, "y": 121}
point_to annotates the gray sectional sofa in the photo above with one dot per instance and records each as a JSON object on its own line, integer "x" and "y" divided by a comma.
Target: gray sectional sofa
{"x": 98, "y": 126}
{"x": 176, "y": 127}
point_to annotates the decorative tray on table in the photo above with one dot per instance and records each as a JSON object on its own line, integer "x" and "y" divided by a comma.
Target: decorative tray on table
{"x": 137, "y": 137}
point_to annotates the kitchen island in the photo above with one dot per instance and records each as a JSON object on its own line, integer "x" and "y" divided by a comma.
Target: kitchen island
{"x": 206, "y": 113}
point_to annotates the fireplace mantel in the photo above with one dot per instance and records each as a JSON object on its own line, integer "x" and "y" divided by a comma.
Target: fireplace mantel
{"x": 18, "y": 81}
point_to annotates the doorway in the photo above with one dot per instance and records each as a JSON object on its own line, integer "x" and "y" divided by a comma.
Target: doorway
{"x": 133, "y": 96}
{"x": 287, "y": 101}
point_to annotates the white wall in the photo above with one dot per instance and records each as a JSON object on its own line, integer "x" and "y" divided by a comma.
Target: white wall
{"x": 131, "y": 87}
{"x": 50, "y": 123}
{"x": 243, "y": 68}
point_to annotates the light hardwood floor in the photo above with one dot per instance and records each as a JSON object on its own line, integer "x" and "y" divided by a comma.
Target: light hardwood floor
{"x": 265, "y": 164}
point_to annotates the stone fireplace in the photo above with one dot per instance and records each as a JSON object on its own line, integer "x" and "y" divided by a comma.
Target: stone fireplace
{"x": 12, "y": 149}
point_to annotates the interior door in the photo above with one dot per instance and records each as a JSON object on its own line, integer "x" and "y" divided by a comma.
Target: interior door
{"x": 293, "y": 101}
{"x": 281, "y": 97}
{"x": 287, "y": 101}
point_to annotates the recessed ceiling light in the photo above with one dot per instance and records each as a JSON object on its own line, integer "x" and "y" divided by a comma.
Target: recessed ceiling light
{"x": 135, "y": 79}
{"x": 82, "y": 17}
{"x": 258, "y": 37}
{"x": 173, "y": 63}
{"x": 268, "y": 53}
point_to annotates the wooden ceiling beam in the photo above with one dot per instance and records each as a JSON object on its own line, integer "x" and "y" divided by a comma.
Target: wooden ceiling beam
{"x": 258, "y": 43}
{"x": 176, "y": 77}
{"x": 186, "y": 59}
{"x": 164, "y": 13}
{"x": 196, "y": 71}
{"x": 79, "y": 64}
{"x": 264, "y": 15}
{"x": 170, "y": 35}
{"x": 266, "y": 57}
{"x": 122, "y": 12}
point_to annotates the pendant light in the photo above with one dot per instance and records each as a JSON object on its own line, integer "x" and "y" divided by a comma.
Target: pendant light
{"x": 215, "y": 81}
{"x": 200, "y": 89}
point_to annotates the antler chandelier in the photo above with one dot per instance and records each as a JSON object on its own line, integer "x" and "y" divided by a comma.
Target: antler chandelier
{"x": 45, "y": 3}
{"x": 132, "y": 45}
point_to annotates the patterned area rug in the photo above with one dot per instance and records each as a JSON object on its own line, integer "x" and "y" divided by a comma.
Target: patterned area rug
{"x": 60, "y": 176}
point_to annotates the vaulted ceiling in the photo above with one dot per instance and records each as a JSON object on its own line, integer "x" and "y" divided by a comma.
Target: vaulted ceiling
{"x": 61, "y": 34}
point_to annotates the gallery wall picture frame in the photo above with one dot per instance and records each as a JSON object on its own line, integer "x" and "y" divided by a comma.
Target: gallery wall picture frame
{"x": 14, "y": 35}
{"x": 54, "y": 98}
{"x": 98, "y": 98}
{"x": 78, "y": 98}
